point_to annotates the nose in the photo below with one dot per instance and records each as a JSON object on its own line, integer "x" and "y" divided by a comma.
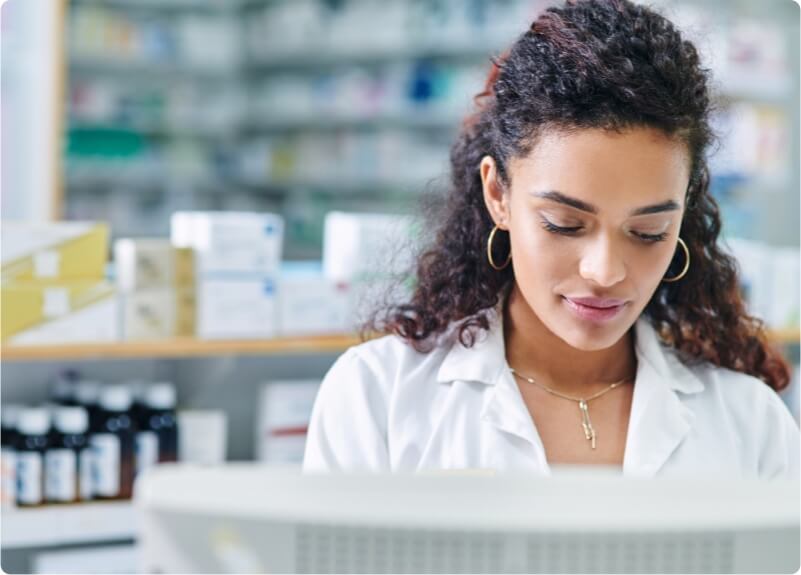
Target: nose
{"x": 602, "y": 264}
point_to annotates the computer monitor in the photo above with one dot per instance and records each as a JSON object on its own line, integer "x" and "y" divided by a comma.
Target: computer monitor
{"x": 245, "y": 518}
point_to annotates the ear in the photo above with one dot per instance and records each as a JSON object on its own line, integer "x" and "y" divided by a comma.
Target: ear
{"x": 495, "y": 198}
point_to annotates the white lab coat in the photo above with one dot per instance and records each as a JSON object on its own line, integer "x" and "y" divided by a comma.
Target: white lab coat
{"x": 385, "y": 407}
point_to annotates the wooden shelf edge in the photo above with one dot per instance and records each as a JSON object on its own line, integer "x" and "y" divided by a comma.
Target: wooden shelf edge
{"x": 180, "y": 348}
{"x": 789, "y": 335}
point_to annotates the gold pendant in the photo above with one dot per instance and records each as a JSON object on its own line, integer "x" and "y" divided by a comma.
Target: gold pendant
{"x": 589, "y": 432}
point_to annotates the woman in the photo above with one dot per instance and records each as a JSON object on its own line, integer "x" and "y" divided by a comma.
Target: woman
{"x": 575, "y": 307}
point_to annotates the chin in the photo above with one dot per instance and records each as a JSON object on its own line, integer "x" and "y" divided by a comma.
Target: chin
{"x": 587, "y": 336}
{"x": 590, "y": 342}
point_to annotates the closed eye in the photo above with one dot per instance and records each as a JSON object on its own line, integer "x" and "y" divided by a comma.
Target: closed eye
{"x": 569, "y": 231}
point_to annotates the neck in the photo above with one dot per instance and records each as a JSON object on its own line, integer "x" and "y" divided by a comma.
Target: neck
{"x": 535, "y": 351}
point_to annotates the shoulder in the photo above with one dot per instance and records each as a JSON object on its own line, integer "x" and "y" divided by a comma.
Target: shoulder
{"x": 756, "y": 414}
{"x": 738, "y": 390}
{"x": 349, "y": 425}
{"x": 390, "y": 361}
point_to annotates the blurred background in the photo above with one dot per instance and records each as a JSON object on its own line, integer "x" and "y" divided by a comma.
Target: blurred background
{"x": 196, "y": 195}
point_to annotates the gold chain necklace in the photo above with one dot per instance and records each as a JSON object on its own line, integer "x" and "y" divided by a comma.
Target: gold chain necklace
{"x": 589, "y": 431}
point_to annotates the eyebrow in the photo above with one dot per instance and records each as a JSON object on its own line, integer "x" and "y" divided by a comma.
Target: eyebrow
{"x": 561, "y": 198}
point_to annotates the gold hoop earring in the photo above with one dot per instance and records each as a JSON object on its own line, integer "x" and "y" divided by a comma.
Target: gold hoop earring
{"x": 489, "y": 252}
{"x": 686, "y": 264}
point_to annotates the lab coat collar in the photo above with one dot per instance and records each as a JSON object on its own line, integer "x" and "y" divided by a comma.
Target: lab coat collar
{"x": 486, "y": 359}
{"x": 482, "y": 362}
{"x": 659, "y": 419}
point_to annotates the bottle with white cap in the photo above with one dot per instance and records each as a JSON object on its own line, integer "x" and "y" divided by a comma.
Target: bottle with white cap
{"x": 33, "y": 426}
{"x": 67, "y": 459}
{"x": 112, "y": 442}
{"x": 8, "y": 456}
{"x": 157, "y": 436}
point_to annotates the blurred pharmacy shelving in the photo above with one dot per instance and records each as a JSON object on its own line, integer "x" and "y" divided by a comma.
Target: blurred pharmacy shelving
{"x": 301, "y": 107}
{"x": 275, "y": 104}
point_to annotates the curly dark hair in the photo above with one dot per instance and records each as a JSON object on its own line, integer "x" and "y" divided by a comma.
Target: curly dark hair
{"x": 613, "y": 65}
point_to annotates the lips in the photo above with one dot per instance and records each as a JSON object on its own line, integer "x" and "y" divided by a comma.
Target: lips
{"x": 595, "y": 302}
{"x": 595, "y": 310}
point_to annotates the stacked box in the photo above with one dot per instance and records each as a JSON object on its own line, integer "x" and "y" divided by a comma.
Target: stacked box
{"x": 371, "y": 255}
{"x": 237, "y": 257}
{"x": 770, "y": 279}
{"x": 53, "y": 284}
{"x": 156, "y": 282}
{"x": 309, "y": 303}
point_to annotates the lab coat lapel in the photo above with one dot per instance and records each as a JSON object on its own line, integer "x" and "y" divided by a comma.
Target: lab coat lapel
{"x": 659, "y": 419}
{"x": 505, "y": 409}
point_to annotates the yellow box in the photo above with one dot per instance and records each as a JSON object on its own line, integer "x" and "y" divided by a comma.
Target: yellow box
{"x": 53, "y": 252}
{"x": 64, "y": 307}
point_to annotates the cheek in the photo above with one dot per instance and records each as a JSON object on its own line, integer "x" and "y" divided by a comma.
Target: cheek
{"x": 539, "y": 258}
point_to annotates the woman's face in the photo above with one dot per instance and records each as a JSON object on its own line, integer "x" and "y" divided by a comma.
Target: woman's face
{"x": 592, "y": 214}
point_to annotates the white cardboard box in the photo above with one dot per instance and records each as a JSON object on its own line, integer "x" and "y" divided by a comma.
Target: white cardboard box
{"x": 202, "y": 436}
{"x": 310, "y": 304}
{"x": 283, "y": 418}
{"x": 225, "y": 242}
{"x": 358, "y": 247}
{"x": 234, "y": 307}
{"x": 770, "y": 277}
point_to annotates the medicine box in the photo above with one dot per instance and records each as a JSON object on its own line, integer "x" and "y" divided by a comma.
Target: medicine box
{"x": 73, "y": 312}
{"x": 152, "y": 263}
{"x": 53, "y": 252}
{"x": 158, "y": 313}
{"x": 225, "y": 242}
{"x": 283, "y": 419}
{"x": 237, "y": 307}
{"x": 309, "y": 303}
{"x": 358, "y": 247}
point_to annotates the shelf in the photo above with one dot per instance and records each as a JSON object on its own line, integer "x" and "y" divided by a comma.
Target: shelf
{"x": 180, "y": 348}
{"x": 205, "y": 348}
{"x": 110, "y": 173}
{"x": 339, "y": 186}
{"x": 325, "y": 57}
{"x": 167, "y": 5}
{"x": 418, "y": 120}
{"x": 785, "y": 336}
{"x": 156, "y": 128}
{"x": 54, "y": 525}
{"x": 134, "y": 69}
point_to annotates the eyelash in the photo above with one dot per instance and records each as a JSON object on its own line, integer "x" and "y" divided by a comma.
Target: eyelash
{"x": 647, "y": 238}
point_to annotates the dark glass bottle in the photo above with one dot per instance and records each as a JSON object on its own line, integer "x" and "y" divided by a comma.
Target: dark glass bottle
{"x": 8, "y": 457}
{"x": 67, "y": 459}
{"x": 157, "y": 436}
{"x": 32, "y": 440}
{"x": 112, "y": 441}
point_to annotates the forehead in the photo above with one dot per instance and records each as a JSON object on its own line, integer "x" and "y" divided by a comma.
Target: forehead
{"x": 625, "y": 169}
